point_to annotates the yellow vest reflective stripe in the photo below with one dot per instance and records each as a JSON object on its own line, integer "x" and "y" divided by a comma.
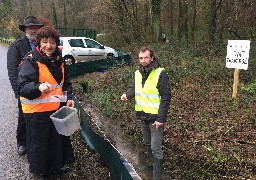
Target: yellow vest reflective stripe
{"x": 147, "y": 99}
{"x": 46, "y": 102}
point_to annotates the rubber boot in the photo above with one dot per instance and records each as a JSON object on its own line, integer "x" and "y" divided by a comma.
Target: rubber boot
{"x": 150, "y": 158}
{"x": 157, "y": 169}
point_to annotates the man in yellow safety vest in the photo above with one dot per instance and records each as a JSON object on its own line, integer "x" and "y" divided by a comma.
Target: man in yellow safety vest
{"x": 151, "y": 89}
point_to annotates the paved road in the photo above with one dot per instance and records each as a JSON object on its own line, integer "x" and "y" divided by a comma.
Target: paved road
{"x": 12, "y": 166}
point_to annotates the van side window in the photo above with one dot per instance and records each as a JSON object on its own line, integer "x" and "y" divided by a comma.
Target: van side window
{"x": 76, "y": 43}
{"x": 92, "y": 44}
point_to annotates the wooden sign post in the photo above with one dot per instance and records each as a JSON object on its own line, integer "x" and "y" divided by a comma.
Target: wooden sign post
{"x": 235, "y": 84}
{"x": 237, "y": 57}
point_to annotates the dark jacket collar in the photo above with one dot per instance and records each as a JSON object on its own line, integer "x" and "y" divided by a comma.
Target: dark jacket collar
{"x": 145, "y": 71}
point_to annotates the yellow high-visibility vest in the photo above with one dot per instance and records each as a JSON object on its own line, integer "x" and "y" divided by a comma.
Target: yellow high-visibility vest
{"x": 44, "y": 102}
{"x": 147, "y": 98}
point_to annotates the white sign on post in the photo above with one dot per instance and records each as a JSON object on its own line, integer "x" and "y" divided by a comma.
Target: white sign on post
{"x": 238, "y": 54}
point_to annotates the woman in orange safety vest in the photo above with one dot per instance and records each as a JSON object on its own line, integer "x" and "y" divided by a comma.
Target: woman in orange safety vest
{"x": 42, "y": 78}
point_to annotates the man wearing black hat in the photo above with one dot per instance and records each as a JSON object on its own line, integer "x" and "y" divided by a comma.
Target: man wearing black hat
{"x": 17, "y": 50}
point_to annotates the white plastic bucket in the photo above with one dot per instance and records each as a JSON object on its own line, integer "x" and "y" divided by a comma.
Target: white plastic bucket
{"x": 66, "y": 120}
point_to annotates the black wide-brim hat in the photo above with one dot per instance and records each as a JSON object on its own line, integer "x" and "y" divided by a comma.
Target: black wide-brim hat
{"x": 30, "y": 21}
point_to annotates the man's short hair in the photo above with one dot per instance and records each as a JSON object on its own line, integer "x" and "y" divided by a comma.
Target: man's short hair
{"x": 145, "y": 48}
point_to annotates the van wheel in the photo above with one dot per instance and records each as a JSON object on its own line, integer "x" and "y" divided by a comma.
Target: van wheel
{"x": 112, "y": 58}
{"x": 69, "y": 60}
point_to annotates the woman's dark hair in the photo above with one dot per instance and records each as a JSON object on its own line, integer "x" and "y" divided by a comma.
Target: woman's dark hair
{"x": 47, "y": 32}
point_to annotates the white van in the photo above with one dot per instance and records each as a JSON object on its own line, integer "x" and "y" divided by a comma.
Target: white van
{"x": 81, "y": 49}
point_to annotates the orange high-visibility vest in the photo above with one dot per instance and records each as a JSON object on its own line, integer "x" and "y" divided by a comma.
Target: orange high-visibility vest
{"x": 44, "y": 102}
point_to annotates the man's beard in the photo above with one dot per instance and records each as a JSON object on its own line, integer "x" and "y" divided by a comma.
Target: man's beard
{"x": 31, "y": 37}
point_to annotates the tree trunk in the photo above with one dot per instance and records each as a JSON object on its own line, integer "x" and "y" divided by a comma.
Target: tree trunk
{"x": 171, "y": 12}
{"x": 65, "y": 21}
{"x": 213, "y": 19}
{"x": 252, "y": 18}
{"x": 193, "y": 25}
{"x": 156, "y": 15}
{"x": 180, "y": 16}
{"x": 186, "y": 21}
{"x": 55, "y": 20}
{"x": 221, "y": 23}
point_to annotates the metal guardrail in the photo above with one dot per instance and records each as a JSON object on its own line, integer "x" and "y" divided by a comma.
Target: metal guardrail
{"x": 5, "y": 41}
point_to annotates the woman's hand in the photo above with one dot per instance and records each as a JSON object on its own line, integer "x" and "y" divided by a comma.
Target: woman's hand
{"x": 45, "y": 87}
{"x": 70, "y": 103}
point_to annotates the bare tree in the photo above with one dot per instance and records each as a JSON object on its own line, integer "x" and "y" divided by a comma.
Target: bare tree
{"x": 193, "y": 24}
{"x": 213, "y": 19}
{"x": 140, "y": 20}
{"x": 172, "y": 19}
{"x": 180, "y": 17}
{"x": 55, "y": 20}
{"x": 186, "y": 21}
{"x": 65, "y": 21}
{"x": 156, "y": 16}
